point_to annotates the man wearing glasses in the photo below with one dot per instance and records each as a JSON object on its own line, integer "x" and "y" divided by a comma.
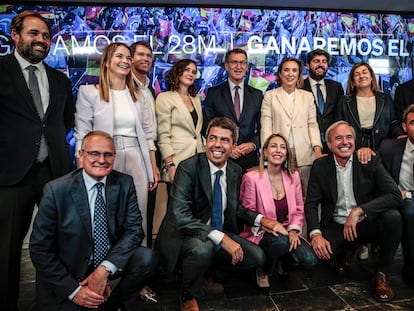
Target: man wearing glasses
{"x": 239, "y": 102}
{"x": 87, "y": 232}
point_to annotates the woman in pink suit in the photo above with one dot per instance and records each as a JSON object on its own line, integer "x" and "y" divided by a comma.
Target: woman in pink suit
{"x": 275, "y": 192}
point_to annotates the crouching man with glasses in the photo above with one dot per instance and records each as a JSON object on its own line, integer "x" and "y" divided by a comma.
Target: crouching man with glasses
{"x": 88, "y": 232}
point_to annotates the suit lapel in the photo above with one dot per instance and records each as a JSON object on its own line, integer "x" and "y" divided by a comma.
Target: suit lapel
{"x": 185, "y": 114}
{"x": 332, "y": 184}
{"x": 112, "y": 194}
{"x": 265, "y": 191}
{"x": 20, "y": 82}
{"x": 356, "y": 180}
{"x": 80, "y": 197}
{"x": 280, "y": 94}
{"x": 53, "y": 91}
{"x": 352, "y": 107}
{"x": 379, "y": 106}
{"x": 228, "y": 101}
{"x": 232, "y": 185}
{"x": 205, "y": 178}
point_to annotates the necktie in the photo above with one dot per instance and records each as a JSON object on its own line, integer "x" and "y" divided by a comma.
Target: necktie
{"x": 321, "y": 101}
{"x": 217, "y": 214}
{"x": 100, "y": 231}
{"x": 37, "y": 100}
{"x": 237, "y": 101}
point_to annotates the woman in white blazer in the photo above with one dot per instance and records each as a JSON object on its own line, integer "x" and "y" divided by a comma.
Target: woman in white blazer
{"x": 116, "y": 107}
{"x": 291, "y": 112}
{"x": 179, "y": 118}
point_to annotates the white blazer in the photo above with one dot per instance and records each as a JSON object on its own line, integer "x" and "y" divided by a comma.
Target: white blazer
{"x": 277, "y": 118}
{"x": 92, "y": 113}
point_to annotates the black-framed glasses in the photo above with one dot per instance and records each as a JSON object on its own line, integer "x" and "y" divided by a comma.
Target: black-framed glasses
{"x": 234, "y": 63}
{"x": 95, "y": 155}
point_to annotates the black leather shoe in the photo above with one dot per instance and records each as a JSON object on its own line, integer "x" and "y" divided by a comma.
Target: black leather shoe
{"x": 345, "y": 262}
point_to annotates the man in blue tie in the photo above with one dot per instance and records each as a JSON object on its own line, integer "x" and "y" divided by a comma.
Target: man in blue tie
{"x": 326, "y": 91}
{"x": 87, "y": 232}
{"x": 201, "y": 224}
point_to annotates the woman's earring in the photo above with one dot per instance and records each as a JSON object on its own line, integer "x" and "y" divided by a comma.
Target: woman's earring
{"x": 265, "y": 162}
{"x": 285, "y": 165}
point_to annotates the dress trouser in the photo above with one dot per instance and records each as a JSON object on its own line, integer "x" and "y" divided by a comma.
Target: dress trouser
{"x": 386, "y": 230}
{"x": 16, "y": 209}
{"x": 197, "y": 257}
{"x": 130, "y": 160}
{"x": 407, "y": 240}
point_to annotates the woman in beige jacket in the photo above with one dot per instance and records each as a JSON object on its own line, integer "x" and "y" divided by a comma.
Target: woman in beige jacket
{"x": 291, "y": 112}
{"x": 179, "y": 118}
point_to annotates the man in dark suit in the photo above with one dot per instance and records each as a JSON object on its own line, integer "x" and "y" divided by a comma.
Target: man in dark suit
{"x": 317, "y": 62}
{"x": 191, "y": 231}
{"x": 70, "y": 273}
{"x": 36, "y": 105}
{"x": 358, "y": 205}
{"x": 221, "y": 101}
{"x": 398, "y": 158}
{"x": 404, "y": 96}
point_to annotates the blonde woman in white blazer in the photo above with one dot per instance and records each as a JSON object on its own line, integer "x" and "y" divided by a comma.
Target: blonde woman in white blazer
{"x": 179, "y": 118}
{"x": 114, "y": 106}
{"x": 291, "y": 112}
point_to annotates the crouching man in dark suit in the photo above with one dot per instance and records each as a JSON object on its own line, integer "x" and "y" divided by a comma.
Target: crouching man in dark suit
{"x": 358, "y": 205}
{"x": 88, "y": 231}
{"x": 398, "y": 158}
{"x": 203, "y": 213}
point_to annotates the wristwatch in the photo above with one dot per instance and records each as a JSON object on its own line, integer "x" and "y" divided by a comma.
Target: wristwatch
{"x": 409, "y": 195}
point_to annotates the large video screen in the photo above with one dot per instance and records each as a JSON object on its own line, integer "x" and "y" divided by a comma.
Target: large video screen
{"x": 80, "y": 33}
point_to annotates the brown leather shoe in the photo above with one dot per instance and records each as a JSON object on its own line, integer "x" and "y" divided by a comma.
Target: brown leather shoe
{"x": 383, "y": 292}
{"x": 190, "y": 305}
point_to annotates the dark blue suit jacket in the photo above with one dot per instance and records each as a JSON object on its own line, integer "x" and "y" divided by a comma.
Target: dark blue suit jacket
{"x": 190, "y": 207}
{"x": 61, "y": 243}
{"x": 404, "y": 96}
{"x": 219, "y": 103}
{"x": 334, "y": 91}
{"x": 392, "y": 152}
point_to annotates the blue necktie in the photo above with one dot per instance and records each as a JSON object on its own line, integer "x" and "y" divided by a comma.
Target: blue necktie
{"x": 321, "y": 101}
{"x": 100, "y": 232}
{"x": 217, "y": 214}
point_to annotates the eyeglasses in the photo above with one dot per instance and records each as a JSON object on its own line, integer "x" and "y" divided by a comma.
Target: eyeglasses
{"x": 95, "y": 155}
{"x": 142, "y": 54}
{"x": 234, "y": 63}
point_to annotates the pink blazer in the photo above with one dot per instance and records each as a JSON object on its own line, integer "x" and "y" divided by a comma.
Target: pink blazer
{"x": 256, "y": 195}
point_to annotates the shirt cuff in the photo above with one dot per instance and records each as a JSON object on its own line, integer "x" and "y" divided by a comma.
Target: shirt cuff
{"x": 71, "y": 296}
{"x": 216, "y": 236}
{"x": 313, "y": 232}
{"x": 109, "y": 266}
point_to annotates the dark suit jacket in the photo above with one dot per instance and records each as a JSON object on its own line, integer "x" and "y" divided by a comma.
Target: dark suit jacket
{"x": 385, "y": 123}
{"x": 392, "y": 152}
{"x": 219, "y": 103}
{"x": 404, "y": 96}
{"x": 334, "y": 91}
{"x": 61, "y": 243}
{"x": 190, "y": 207}
{"x": 21, "y": 127}
{"x": 374, "y": 189}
